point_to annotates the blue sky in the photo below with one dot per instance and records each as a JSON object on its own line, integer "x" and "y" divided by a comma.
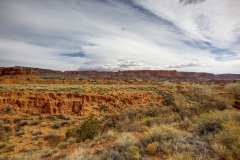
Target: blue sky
{"x": 186, "y": 35}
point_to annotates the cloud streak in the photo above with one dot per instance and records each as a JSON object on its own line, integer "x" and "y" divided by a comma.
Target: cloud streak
{"x": 121, "y": 34}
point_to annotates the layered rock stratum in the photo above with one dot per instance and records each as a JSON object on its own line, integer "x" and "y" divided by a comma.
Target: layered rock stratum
{"x": 117, "y": 75}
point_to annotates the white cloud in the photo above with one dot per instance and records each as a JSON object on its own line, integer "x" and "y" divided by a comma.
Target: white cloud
{"x": 212, "y": 20}
{"x": 24, "y": 54}
{"x": 121, "y": 34}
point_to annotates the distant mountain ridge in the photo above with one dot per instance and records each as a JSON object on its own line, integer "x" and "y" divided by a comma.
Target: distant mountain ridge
{"x": 123, "y": 75}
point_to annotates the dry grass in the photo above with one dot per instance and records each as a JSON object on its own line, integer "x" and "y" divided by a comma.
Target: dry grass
{"x": 233, "y": 88}
{"x": 195, "y": 122}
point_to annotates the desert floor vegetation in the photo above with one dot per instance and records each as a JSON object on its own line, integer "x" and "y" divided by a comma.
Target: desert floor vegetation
{"x": 192, "y": 122}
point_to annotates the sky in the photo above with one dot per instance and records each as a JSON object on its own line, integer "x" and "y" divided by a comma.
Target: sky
{"x": 184, "y": 35}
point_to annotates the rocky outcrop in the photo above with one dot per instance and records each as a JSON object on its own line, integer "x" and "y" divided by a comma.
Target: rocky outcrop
{"x": 18, "y": 71}
{"x": 74, "y": 103}
{"x": 14, "y": 71}
{"x": 119, "y": 75}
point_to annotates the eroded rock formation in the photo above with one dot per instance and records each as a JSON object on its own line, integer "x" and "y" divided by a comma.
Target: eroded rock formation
{"x": 73, "y": 103}
{"x": 119, "y": 75}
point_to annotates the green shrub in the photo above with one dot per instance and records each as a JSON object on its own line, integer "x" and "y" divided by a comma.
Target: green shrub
{"x": 207, "y": 98}
{"x": 88, "y": 130}
{"x": 52, "y": 139}
{"x": 168, "y": 99}
{"x": 207, "y": 128}
{"x": 214, "y": 122}
{"x": 227, "y": 146}
{"x": 125, "y": 140}
{"x": 111, "y": 155}
{"x": 152, "y": 111}
{"x": 125, "y": 148}
{"x": 183, "y": 156}
{"x": 225, "y": 128}
{"x": 227, "y": 142}
{"x": 133, "y": 153}
{"x": 174, "y": 141}
{"x": 233, "y": 88}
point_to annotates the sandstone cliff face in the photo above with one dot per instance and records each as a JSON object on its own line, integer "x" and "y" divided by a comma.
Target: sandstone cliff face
{"x": 13, "y": 71}
{"x": 120, "y": 75}
{"x": 74, "y": 103}
{"x": 139, "y": 74}
{"x": 18, "y": 71}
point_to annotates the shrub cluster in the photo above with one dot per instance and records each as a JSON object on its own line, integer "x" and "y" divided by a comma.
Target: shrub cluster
{"x": 88, "y": 130}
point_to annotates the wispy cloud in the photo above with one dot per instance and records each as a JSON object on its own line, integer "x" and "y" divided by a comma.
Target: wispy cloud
{"x": 192, "y": 64}
{"x": 74, "y": 54}
{"x": 185, "y": 2}
{"x": 190, "y": 35}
